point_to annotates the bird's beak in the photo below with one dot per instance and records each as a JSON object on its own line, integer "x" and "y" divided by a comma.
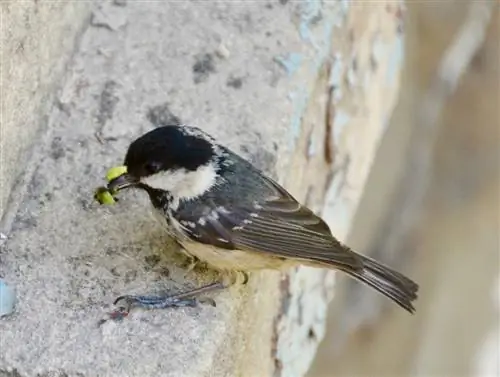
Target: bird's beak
{"x": 119, "y": 179}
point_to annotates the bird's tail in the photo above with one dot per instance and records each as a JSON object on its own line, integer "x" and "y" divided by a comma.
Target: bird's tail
{"x": 388, "y": 282}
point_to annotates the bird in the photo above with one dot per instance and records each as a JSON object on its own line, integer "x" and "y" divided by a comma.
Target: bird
{"x": 225, "y": 212}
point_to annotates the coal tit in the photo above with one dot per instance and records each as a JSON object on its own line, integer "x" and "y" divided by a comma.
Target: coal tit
{"x": 224, "y": 211}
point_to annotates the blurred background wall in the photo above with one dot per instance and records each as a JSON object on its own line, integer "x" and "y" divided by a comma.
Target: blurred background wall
{"x": 431, "y": 210}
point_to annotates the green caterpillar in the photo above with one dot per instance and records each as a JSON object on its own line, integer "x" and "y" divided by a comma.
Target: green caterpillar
{"x": 102, "y": 194}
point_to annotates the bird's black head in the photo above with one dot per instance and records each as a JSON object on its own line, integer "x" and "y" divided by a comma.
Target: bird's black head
{"x": 168, "y": 148}
{"x": 171, "y": 161}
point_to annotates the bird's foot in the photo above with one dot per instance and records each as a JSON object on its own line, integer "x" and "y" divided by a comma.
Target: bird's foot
{"x": 180, "y": 300}
{"x": 128, "y": 302}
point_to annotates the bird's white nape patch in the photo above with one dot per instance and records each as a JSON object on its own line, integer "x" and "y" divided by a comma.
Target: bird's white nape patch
{"x": 196, "y": 132}
{"x": 182, "y": 183}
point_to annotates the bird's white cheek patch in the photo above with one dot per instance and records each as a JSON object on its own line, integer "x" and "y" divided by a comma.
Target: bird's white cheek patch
{"x": 163, "y": 181}
{"x": 182, "y": 183}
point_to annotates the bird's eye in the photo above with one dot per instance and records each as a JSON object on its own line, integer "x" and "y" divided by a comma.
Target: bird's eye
{"x": 152, "y": 167}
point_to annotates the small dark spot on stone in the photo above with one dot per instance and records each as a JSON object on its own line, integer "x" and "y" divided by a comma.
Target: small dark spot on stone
{"x": 56, "y": 148}
{"x": 275, "y": 146}
{"x": 165, "y": 272}
{"x": 283, "y": 2}
{"x": 85, "y": 204}
{"x": 161, "y": 115}
{"x": 152, "y": 260}
{"x": 278, "y": 366}
{"x": 75, "y": 223}
{"x": 107, "y": 102}
{"x": 109, "y": 251}
{"x": 235, "y": 82}
{"x": 120, "y": 3}
{"x": 87, "y": 169}
{"x": 83, "y": 142}
{"x": 244, "y": 149}
{"x": 45, "y": 198}
{"x": 312, "y": 334}
{"x": 268, "y": 33}
{"x": 203, "y": 67}
{"x": 130, "y": 276}
{"x": 269, "y": 6}
{"x": 63, "y": 107}
{"x": 114, "y": 271}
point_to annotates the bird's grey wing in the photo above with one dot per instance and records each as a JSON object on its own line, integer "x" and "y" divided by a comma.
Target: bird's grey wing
{"x": 278, "y": 225}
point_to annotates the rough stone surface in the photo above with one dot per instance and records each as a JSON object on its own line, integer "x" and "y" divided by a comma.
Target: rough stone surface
{"x": 352, "y": 100}
{"x": 36, "y": 42}
{"x": 262, "y": 78}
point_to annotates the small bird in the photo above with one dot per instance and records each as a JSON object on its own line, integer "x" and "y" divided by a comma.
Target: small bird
{"x": 225, "y": 212}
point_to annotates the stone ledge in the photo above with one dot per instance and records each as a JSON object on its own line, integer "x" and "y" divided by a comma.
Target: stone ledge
{"x": 261, "y": 78}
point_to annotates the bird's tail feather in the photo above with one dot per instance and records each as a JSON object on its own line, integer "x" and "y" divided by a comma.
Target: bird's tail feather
{"x": 386, "y": 281}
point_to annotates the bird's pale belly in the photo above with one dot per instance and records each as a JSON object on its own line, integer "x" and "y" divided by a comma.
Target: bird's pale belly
{"x": 238, "y": 260}
{"x": 223, "y": 259}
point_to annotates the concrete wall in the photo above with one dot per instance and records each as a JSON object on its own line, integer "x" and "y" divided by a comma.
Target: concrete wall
{"x": 37, "y": 41}
{"x": 453, "y": 249}
{"x": 303, "y": 90}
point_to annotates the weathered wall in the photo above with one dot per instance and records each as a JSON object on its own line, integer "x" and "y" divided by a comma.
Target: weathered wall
{"x": 36, "y": 43}
{"x": 301, "y": 89}
{"x": 453, "y": 251}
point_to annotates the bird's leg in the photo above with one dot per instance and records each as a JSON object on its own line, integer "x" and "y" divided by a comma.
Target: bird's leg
{"x": 183, "y": 299}
{"x": 178, "y": 300}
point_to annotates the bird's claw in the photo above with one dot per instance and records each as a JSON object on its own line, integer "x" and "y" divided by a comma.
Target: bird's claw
{"x": 180, "y": 300}
{"x": 116, "y": 315}
{"x": 127, "y": 302}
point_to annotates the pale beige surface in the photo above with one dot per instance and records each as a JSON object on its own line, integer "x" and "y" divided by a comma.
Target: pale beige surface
{"x": 455, "y": 246}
